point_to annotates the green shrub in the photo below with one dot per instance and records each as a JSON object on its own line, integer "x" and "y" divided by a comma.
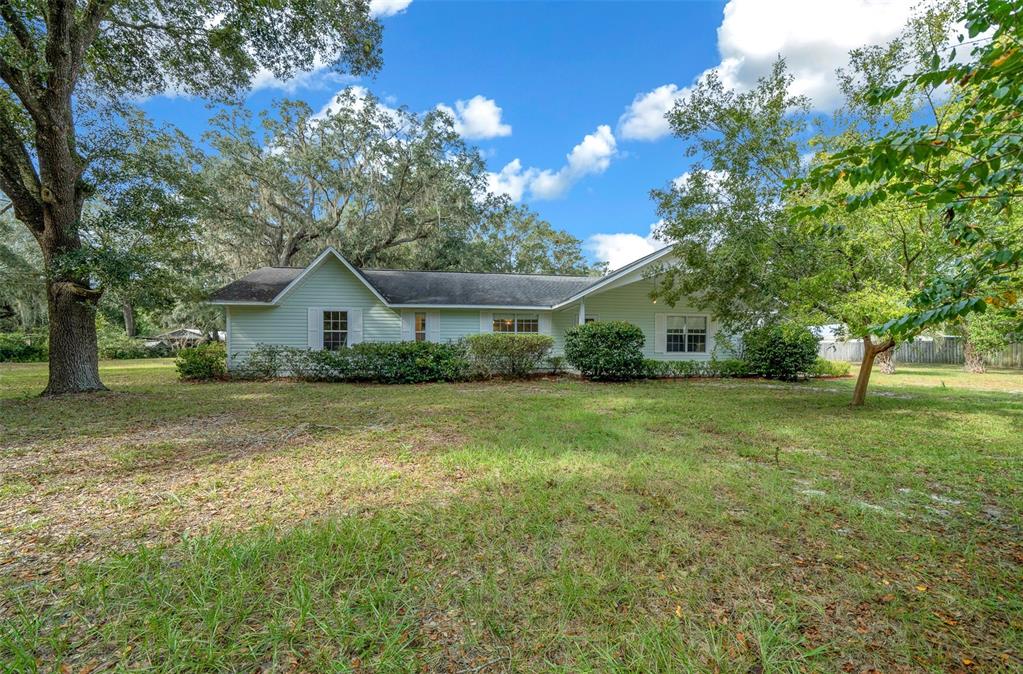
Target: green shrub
{"x": 684, "y": 369}
{"x": 23, "y": 347}
{"x": 266, "y": 361}
{"x": 378, "y": 362}
{"x": 513, "y": 356}
{"x": 606, "y": 350}
{"x": 656, "y": 369}
{"x": 202, "y": 363}
{"x": 829, "y": 368}
{"x": 780, "y": 351}
{"x": 730, "y": 367}
{"x": 407, "y": 362}
{"x": 556, "y": 365}
{"x": 115, "y": 345}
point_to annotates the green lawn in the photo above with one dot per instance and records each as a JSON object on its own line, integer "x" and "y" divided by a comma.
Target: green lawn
{"x": 728, "y": 525}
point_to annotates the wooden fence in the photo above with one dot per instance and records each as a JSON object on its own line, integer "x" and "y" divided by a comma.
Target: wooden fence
{"x": 944, "y": 350}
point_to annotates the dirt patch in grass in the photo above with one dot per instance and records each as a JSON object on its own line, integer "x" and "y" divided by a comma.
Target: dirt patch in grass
{"x": 69, "y": 502}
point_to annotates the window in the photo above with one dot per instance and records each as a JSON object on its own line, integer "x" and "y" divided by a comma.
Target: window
{"x": 590, "y": 319}
{"x": 335, "y": 330}
{"x": 420, "y": 326}
{"x": 515, "y": 323}
{"x": 686, "y": 334}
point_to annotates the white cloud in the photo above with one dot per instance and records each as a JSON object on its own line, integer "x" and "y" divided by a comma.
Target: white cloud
{"x": 359, "y": 95}
{"x": 814, "y": 37}
{"x": 645, "y": 118}
{"x": 511, "y": 180}
{"x": 382, "y": 8}
{"x": 477, "y": 118}
{"x": 621, "y": 248}
{"x": 320, "y": 76}
{"x": 591, "y": 156}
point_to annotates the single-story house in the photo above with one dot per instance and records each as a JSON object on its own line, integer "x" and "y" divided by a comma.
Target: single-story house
{"x": 332, "y": 303}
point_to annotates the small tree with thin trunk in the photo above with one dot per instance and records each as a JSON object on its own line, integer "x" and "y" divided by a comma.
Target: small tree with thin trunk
{"x": 859, "y": 310}
{"x": 69, "y": 68}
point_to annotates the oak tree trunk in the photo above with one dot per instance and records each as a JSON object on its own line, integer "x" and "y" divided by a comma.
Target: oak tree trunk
{"x": 972, "y": 360}
{"x": 886, "y": 361}
{"x": 870, "y": 353}
{"x": 45, "y": 186}
{"x": 74, "y": 359}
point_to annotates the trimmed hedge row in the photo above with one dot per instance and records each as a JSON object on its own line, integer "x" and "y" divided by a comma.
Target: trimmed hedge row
{"x": 513, "y": 356}
{"x": 380, "y": 362}
{"x": 477, "y": 357}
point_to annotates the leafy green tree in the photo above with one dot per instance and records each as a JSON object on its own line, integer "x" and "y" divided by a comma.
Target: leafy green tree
{"x": 22, "y": 287}
{"x": 373, "y": 181}
{"x": 734, "y": 243}
{"x": 515, "y": 239}
{"x": 964, "y": 166}
{"x": 139, "y": 232}
{"x": 984, "y": 335}
{"x": 389, "y": 188}
{"x": 742, "y": 254}
{"x": 67, "y": 70}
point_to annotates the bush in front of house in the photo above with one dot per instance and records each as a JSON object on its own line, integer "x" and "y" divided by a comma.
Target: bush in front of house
{"x": 24, "y": 347}
{"x": 376, "y": 362}
{"x": 686, "y": 369}
{"x": 205, "y": 362}
{"x": 780, "y": 351}
{"x": 606, "y": 350}
{"x": 407, "y": 362}
{"x": 511, "y": 356}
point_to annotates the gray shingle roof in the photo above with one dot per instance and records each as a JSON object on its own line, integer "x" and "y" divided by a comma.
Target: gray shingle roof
{"x": 473, "y": 289}
{"x": 424, "y": 287}
{"x": 261, "y": 285}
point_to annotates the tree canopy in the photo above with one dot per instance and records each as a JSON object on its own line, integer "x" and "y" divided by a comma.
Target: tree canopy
{"x": 69, "y": 72}
{"x": 965, "y": 165}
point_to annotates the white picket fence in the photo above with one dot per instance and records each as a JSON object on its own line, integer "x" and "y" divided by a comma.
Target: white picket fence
{"x": 939, "y": 350}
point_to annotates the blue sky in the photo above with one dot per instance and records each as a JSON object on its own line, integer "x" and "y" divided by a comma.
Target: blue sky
{"x": 566, "y": 99}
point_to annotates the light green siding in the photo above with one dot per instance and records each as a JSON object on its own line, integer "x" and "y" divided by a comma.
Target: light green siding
{"x": 631, "y": 303}
{"x": 457, "y": 323}
{"x": 286, "y": 324}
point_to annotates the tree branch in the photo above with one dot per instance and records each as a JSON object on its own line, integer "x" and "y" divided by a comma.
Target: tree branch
{"x": 17, "y": 26}
{"x": 18, "y": 177}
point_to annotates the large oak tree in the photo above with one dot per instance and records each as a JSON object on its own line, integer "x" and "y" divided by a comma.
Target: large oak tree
{"x": 66, "y": 70}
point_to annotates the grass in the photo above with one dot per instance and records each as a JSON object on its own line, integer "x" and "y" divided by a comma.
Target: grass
{"x": 540, "y": 526}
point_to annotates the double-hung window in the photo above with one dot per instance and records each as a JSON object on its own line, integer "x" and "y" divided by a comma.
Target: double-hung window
{"x": 420, "y": 326}
{"x": 516, "y": 323}
{"x": 335, "y": 330}
{"x": 686, "y": 334}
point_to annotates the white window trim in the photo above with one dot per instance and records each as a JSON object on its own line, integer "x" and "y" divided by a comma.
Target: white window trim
{"x": 315, "y": 319}
{"x": 323, "y": 330}
{"x": 685, "y": 335}
{"x": 515, "y": 322}
{"x": 408, "y": 325}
